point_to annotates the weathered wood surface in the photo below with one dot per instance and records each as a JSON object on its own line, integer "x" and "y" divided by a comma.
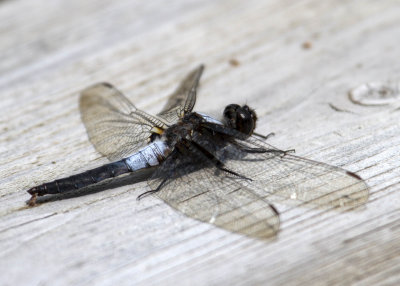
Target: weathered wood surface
{"x": 296, "y": 62}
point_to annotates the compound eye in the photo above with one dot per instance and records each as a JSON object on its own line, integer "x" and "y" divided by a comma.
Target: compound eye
{"x": 230, "y": 110}
{"x": 251, "y": 112}
{"x": 244, "y": 122}
{"x": 241, "y": 118}
{"x": 230, "y": 115}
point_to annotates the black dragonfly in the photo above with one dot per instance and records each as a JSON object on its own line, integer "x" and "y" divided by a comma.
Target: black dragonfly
{"x": 219, "y": 172}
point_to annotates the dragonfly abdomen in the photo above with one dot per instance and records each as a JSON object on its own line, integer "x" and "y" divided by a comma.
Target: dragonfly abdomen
{"x": 79, "y": 181}
{"x": 147, "y": 157}
{"x": 151, "y": 155}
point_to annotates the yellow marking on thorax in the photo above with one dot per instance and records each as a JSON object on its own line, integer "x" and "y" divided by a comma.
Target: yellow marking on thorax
{"x": 157, "y": 130}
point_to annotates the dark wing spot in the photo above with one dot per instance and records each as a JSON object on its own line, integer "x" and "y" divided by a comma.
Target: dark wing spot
{"x": 274, "y": 209}
{"x": 106, "y": 84}
{"x": 354, "y": 175}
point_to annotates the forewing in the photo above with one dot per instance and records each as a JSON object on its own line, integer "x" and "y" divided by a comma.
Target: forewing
{"x": 183, "y": 98}
{"x": 115, "y": 126}
{"x": 194, "y": 186}
{"x": 278, "y": 176}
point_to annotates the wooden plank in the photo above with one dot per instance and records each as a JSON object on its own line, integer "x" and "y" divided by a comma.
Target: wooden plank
{"x": 294, "y": 61}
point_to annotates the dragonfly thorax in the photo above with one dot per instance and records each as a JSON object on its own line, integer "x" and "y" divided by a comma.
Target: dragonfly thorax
{"x": 183, "y": 130}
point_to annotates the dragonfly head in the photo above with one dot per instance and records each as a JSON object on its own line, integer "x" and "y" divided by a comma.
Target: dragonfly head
{"x": 241, "y": 118}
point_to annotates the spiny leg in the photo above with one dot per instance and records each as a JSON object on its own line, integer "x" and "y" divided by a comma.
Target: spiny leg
{"x": 220, "y": 166}
{"x": 265, "y": 137}
{"x": 263, "y": 150}
{"x": 216, "y": 161}
{"x": 282, "y": 153}
{"x": 145, "y": 194}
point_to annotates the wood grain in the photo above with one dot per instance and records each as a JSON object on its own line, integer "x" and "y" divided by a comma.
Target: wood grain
{"x": 294, "y": 61}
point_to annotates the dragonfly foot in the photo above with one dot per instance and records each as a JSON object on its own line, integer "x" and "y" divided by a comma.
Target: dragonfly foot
{"x": 289, "y": 151}
{"x": 265, "y": 137}
{"x": 145, "y": 194}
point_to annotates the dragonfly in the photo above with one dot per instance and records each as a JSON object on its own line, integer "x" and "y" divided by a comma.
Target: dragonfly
{"x": 216, "y": 171}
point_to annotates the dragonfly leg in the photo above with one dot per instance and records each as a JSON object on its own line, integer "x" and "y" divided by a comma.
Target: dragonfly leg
{"x": 220, "y": 166}
{"x": 265, "y": 137}
{"x": 282, "y": 153}
{"x": 255, "y": 150}
{"x": 288, "y": 151}
{"x": 262, "y": 150}
{"x": 145, "y": 194}
{"x": 217, "y": 162}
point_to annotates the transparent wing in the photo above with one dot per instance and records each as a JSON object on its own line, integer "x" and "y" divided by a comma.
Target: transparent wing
{"x": 281, "y": 177}
{"x": 193, "y": 185}
{"x": 115, "y": 126}
{"x": 252, "y": 174}
{"x": 183, "y": 98}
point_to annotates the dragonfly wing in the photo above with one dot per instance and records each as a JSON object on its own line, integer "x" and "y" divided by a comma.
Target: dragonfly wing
{"x": 115, "y": 126}
{"x": 193, "y": 185}
{"x": 184, "y": 97}
{"x": 278, "y": 176}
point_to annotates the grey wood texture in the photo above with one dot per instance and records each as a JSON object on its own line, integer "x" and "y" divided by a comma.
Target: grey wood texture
{"x": 294, "y": 61}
